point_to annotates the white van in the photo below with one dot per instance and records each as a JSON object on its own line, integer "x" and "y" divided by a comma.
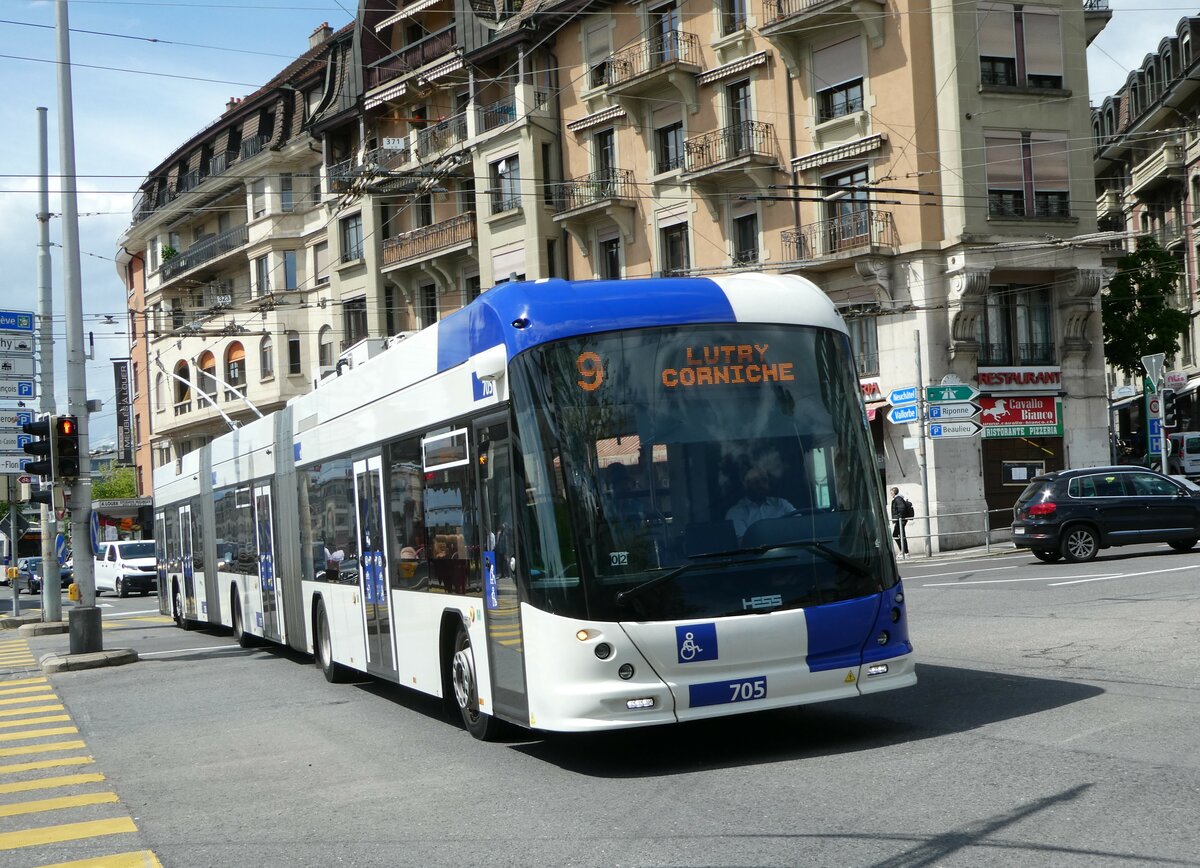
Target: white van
{"x": 125, "y": 566}
{"x": 1184, "y": 459}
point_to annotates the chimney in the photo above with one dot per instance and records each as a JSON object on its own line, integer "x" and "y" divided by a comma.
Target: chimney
{"x": 320, "y": 35}
{"x": 233, "y": 103}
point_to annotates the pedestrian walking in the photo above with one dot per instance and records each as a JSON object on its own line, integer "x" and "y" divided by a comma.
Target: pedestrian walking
{"x": 902, "y": 511}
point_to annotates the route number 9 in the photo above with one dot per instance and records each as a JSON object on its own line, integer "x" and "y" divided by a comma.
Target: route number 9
{"x": 591, "y": 369}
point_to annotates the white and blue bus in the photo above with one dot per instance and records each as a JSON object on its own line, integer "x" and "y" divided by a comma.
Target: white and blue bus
{"x": 570, "y": 506}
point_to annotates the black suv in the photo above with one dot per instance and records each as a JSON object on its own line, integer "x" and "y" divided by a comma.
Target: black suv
{"x": 1073, "y": 514}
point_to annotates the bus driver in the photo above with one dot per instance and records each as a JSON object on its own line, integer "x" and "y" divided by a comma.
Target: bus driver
{"x": 756, "y": 504}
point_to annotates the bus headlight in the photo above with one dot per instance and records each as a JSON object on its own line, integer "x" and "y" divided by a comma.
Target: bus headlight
{"x": 603, "y": 651}
{"x": 626, "y": 671}
{"x": 647, "y": 702}
{"x": 883, "y": 638}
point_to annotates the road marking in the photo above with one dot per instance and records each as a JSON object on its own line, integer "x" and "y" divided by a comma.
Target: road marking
{"x": 44, "y": 697}
{"x": 37, "y": 806}
{"x": 1004, "y": 581}
{"x": 213, "y": 648}
{"x": 27, "y": 749}
{"x": 38, "y": 733}
{"x": 16, "y": 768}
{"x": 24, "y": 681}
{"x": 66, "y": 832}
{"x": 1081, "y": 580}
{"x": 140, "y": 859}
{"x": 50, "y": 783}
{"x": 137, "y": 612}
{"x": 960, "y": 572}
{"x": 909, "y": 564}
{"x": 9, "y": 690}
{"x": 51, "y": 718}
{"x": 35, "y": 709}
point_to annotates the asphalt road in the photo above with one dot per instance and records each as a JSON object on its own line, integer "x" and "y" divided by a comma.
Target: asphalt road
{"x": 1054, "y": 724}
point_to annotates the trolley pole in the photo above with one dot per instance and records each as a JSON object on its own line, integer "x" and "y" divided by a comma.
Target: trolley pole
{"x": 921, "y": 411}
{"x": 85, "y": 618}
{"x": 51, "y": 583}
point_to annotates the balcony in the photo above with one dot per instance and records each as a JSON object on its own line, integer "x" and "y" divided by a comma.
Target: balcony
{"x": 341, "y": 175}
{"x": 497, "y": 114}
{"x": 1026, "y": 354}
{"x": 1096, "y": 16}
{"x": 850, "y": 234}
{"x": 1169, "y": 233}
{"x": 664, "y": 61}
{"x": 596, "y": 191}
{"x": 205, "y": 251}
{"x": 250, "y": 147}
{"x": 410, "y": 58}
{"x": 789, "y": 17}
{"x": 455, "y": 233}
{"x": 190, "y": 181}
{"x": 1108, "y": 203}
{"x": 221, "y": 162}
{"x": 743, "y": 145}
{"x": 1163, "y": 166}
{"x": 442, "y": 136}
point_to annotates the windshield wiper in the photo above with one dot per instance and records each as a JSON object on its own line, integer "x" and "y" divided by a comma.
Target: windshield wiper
{"x": 622, "y": 596}
{"x": 830, "y": 554}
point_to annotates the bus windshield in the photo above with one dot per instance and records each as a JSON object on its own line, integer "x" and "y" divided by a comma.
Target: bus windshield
{"x": 693, "y": 472}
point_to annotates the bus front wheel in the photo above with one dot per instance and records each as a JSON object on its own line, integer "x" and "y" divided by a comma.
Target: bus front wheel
{"x": 466, "y": 688}
{"x": 177, "y": 604}
{"x": 323, "y": 648}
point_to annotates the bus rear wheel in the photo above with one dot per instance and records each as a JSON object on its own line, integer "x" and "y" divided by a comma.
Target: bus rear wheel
{"x": 335, "y": 673}
{"x": 239, "y": 626}
{"x": 181, "y": 620}
{"x": 466, "y": 689}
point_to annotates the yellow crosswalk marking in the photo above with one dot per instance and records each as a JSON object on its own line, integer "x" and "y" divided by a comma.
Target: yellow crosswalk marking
{"x": 29, "y": 709}
{"x": 17, "y": 681}
{"x": 51, "y": 718}
{"x": 10, "y": 656}
{"x": 51, "y": 783}
{"x": 36, "y": 688}
{"x": 39, "y": 805}
{"x": 38, "y": 765}
{"x": 65, "y": 832}
{"x": 140, "y": 859}
{"x": 38, "y": 733}
{"x": 26, "y": 749}
{"x": 41, "y": 698}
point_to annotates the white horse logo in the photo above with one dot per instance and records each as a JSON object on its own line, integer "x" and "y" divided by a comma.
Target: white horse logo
{"x": 997, "y": 411}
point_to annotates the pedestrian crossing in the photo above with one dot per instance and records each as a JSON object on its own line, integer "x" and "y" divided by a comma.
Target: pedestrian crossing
{"x": 128, "y": 622}
{"x": 53, "y": 801}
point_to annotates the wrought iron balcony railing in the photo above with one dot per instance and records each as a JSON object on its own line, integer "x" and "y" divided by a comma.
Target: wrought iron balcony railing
{"x": 221, "y": 162}
{"x": 498, "y": 113}
{"x": 190, "y": 180}
{"x": 411, "y": 57}
{"x": 429, "y": 239}
{"x": 748, "y": 138}
{"x": 204, "y": 251}
{"x": 597, "y": 187}
{"x": 439, "y": 136}
{"x": 852, "y": 231}
{"x": 655, "y": 53}
{"x": 250, "y": 147}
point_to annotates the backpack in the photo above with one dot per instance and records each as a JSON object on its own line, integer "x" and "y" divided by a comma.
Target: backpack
{"x": 906, "y": 509}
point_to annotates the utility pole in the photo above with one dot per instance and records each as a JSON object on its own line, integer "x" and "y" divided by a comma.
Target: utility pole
{"x": 51, "y": 584}
{"x": 85, "y": 618}
{"x": 921, "y": 418}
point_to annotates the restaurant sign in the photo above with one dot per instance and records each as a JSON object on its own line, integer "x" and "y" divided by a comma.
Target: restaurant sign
{"x": 1034, "y": 416}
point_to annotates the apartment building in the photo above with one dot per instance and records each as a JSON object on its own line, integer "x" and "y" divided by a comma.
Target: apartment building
{"x": 226, "y": 263}
{"x": 915, "y": 160}
{"x": 1147, "y": 167}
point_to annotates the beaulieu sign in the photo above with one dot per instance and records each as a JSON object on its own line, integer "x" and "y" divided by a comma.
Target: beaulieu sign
{"x": 1022, "y": 379}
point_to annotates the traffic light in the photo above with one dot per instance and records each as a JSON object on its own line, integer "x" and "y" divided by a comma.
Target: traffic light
{"x": 42, "y": 447}
{"x": 51, "y": 495}
{"x": 66, "y": 447}
{"x": 1170, "y": 419}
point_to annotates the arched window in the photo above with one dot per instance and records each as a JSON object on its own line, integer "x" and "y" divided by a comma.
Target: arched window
{"x": 293, "y": 351}
{"x": 1110, "y": 122}
{"x": 266, "y": 358}
{"x": 183, "y": 388}
{"x": 207, "y": 374}
{"x": 160, "y": 392}
{"x": 235, "y": 370}
{"x": 1187, "y": 52}
{"x": 325, "y": 348}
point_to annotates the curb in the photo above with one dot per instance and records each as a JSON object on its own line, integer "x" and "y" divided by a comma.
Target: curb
{"x": 11, "y": 622}
{"x": 43, "y": 628}
{"x": 91, "y": 660}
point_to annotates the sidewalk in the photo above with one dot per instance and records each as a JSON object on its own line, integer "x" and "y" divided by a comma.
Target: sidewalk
{"x": 917, "y": 552}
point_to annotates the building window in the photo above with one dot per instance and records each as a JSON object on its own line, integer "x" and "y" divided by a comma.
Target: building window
{"x": 262, "y": 275}
{"x": 549, "y": 174}
{"x": 207, "y": 374}
{"x": 1016, "y": 327}
{"x": 160, "y": 393}
{"x": 864, "y": 342}
{"x": 424, "y": 210}
{"x": 739, "y": 116}
{"x": 258, "y": 198}
{"x": 472, "y": 287}
{"x": 427, "y": 305}
{"x": 1020, "y": 46}
{"x": 354, "y": 321}
{"x": 321, "y": 262}
{"x": 289, "y": 270}
{"x": 1028, "y": 174}
{"x": 610, "y": 259}
{"x": 604, "y": 154}
{"x": 551, "y": 258}
{"x": 669, "y": 147}
{"x": 674, "y": 244}
{"x": 287, "y": 201}
{"x": 293, "y": 349}
{"x": 849, "y": 218}
{"x": 838, "y": 73}
{"x": 352, "y": 238}
{"x": 733, "y": 16}
{"x": 325, "y": 348}
{"x": 506, "y": 185}
{"x": 598, "y": 50}
{"x": 235, "y": 371}
{"x": 266, "y": 358}
{"x": 745, "y": 239}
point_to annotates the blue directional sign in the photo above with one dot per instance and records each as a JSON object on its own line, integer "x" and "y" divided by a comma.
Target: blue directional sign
{"x": 1155, "y": 428}
{"x": 60, "y": 549}
{"x": 900, "y": 415}
{"x": 16, "y": 321}
{"x": 900, "y": 397}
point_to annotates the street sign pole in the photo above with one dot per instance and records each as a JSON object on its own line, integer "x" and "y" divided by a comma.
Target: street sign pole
{"x": 1154, "y": 366}
{"x": 51, "y": 600}
{"x": 922, "y": 451}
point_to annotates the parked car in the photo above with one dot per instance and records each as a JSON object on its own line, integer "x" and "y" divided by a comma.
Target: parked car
{"x": 128, "y": 565}
{"x": 1073, "y": 514}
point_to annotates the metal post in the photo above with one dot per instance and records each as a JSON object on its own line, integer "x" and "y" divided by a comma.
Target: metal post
{"x": 1163, "y": 445}
{"x": 921, "y": 412}
{"x": 12, "y": 546}
{"x": 84, "y": 618}
{"x": 51, "y": 584}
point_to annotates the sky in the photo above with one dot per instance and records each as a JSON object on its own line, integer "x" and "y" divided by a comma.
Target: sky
{"x": 147, "y": 75}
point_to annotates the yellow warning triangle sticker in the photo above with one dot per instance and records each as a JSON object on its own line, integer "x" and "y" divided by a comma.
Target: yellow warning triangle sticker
{"x": 849, "y": 677}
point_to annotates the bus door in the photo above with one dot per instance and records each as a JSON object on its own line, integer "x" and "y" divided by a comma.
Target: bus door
{"x": 501, "y": 604}
{"x": 185, "y": 558}
{"x": 373, "y": 566}
{"x": 160, "y": 549}
{"x": 267, "y": 586}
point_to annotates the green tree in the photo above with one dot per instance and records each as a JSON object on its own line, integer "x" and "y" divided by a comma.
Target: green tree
{"x": 1138, "y": 317}
{"x": 116, "y": 483}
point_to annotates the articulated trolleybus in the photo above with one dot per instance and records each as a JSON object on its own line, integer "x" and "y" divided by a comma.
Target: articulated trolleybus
{"x": 571, "y": 506}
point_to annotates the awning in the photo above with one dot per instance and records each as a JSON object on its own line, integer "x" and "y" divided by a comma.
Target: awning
{"x": 733, "y": 68}
{"x": 1123, "y": 402}
{"x": 874, "y": 407}
{"x": 412, "y": 9}
{"x": 840, "y": 152}
{"x": 593, "y": 120}
{"x": 1190, "y": 386}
